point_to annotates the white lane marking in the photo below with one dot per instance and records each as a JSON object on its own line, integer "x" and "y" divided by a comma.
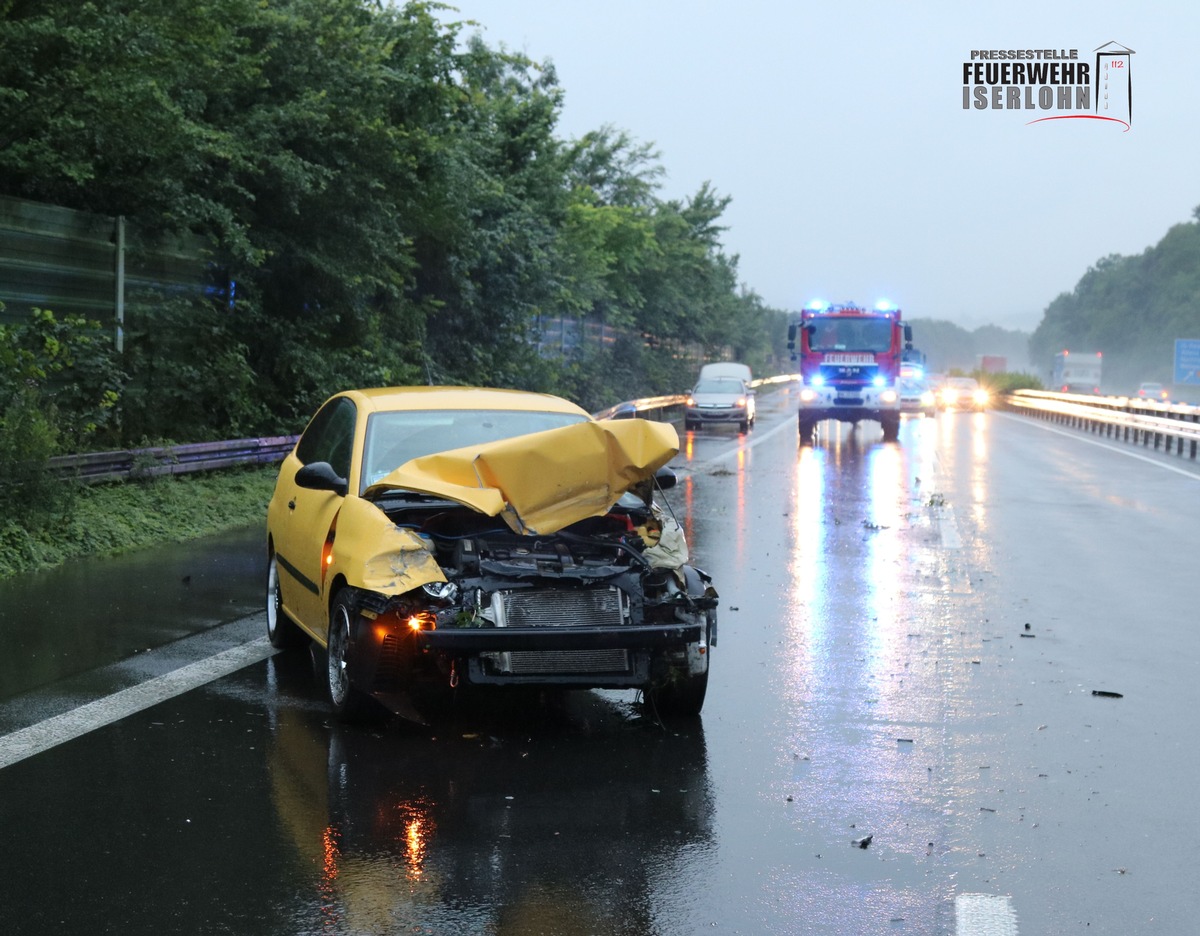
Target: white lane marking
{"x": 1104, "y": 445}
{"x": 754, "y": 440}
{"x": 984, "y": 915}
{"x": 53, "y": 731}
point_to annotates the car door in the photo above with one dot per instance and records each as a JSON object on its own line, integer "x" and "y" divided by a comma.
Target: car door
{"x": 303, "y": 519}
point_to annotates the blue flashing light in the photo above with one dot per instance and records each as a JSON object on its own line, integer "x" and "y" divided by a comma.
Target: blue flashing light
{"x": 818, "y": 305}
{"x": 884, "y": 306}
{"x": 879, "y": 380}
{"x": 817, "y": 380}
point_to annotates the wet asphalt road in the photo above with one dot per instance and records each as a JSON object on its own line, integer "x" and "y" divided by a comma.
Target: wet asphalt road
{"x": 874, "y": 676}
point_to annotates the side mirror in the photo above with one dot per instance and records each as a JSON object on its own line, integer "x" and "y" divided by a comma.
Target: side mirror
{"x": 792, "y": 337}
{"x": 908, "y": 334}
{"x": 320, "y": 476}
{"x": 665, "y": 478}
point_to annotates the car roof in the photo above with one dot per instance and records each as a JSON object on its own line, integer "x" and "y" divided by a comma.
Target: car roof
{"x": 392, "y": 399}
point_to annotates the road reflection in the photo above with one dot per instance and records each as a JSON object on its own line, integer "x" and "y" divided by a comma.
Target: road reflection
{"x": 515, "y": 817}
{"x": 856, "y": 518}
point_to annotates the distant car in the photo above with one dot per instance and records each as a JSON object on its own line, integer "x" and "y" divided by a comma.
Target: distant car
{"x": 1153, "y": 391}
{"x": 962, "y": 393}
{"x": 917, "y": 397}
{"x": 492, "y": 537}
{"x": 720, "y": 400}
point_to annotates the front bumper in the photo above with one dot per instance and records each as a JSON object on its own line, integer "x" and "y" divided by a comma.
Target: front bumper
{"x": 848, "y": 404}
{"x": 469, "y": 641}
{"x": 716, "y": 414}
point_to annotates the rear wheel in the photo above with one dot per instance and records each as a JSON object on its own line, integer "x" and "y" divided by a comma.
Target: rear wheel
{"x": 348, "y": 701}
{"x": 281, "y": 632}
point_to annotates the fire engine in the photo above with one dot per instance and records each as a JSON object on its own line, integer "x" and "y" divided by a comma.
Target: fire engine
{"x": 850, "y": 360}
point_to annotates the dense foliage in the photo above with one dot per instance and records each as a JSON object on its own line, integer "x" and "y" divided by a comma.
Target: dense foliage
{"x": 385, "y": 203}
{"x": 1132, "y": 309}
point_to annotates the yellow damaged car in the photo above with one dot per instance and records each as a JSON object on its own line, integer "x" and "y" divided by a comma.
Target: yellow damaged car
{"x": 495, "y": 537}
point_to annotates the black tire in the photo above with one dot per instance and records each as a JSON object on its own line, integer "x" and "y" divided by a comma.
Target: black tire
{"x": 349, "y": 703}
{"x": 744, "y": 426}
{"x": 891, "y": 428}
{"x": 281, "y": 630}
{"x": 682, "y": 696}
{"x": 806, "y": 431}
{"x": 690, "y": 426}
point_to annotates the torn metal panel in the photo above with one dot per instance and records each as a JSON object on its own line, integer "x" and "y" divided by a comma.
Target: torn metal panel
{"x": 372, "y": 552}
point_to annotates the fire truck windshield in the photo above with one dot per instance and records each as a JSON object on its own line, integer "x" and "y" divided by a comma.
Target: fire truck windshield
{"x": 850, "y": 334}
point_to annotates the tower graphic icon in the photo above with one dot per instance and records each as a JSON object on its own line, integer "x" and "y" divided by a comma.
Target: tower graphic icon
{"x": 1114, "y": 82}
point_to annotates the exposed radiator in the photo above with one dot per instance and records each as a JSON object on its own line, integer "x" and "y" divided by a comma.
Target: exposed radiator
{"x": 591, "y": 607}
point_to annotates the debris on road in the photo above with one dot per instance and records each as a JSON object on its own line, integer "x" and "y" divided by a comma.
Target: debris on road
{"x": 1107, "y": 695}
{"x": 862, "y": 842}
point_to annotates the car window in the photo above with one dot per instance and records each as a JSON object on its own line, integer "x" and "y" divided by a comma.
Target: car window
{"x": 330, "y": 436}
{"x": 720, "y": 385}
{"x": 394, "y": 438}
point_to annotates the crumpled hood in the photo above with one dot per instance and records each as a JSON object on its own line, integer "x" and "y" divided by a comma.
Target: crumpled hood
{"x": 544, "y": 481}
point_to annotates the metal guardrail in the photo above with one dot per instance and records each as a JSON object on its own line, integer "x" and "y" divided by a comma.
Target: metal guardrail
{"x": 172, "y": 459}
{"x": 631, "y": 408}
{"x": 1141, "y": 422}
{"x": 207, "y": 456}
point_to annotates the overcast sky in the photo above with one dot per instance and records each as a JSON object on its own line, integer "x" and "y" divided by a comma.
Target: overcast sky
{"x": 839, "y": 132}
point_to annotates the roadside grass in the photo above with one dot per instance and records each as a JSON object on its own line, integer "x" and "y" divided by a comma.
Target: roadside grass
{"x": 107, "y": 519}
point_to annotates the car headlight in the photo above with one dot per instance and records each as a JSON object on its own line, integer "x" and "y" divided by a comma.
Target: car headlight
{"x": 887, "y": 396}
{"x": 927, "y": 398}
{"x": 980, "y": 397}
{"x": 808, "y": 394}
{"x": 690, "y": 401}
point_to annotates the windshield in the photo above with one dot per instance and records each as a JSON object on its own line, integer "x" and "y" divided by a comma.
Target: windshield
{"x": 394, "y": 438}
{"x": 851, "y": 334}
{"x": 720, "y": 386}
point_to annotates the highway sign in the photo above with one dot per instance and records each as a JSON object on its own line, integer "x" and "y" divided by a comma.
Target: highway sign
{"x": 1187, "y": 361}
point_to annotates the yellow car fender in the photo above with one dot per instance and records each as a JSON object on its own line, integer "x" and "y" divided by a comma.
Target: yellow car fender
{"x": 371, "y": 552}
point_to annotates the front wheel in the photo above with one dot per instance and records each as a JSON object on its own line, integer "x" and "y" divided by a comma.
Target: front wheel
{"x": 682, "y": 694}
{"x": 806, "y": 431}
{"x": 281, "y": 632}
{"x": 891, "y": 428}
{"x": 347, "y": 700}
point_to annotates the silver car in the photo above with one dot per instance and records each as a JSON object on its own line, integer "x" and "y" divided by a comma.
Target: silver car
{"x": 720, "y": 400}
{"x": 916, "y": 396}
